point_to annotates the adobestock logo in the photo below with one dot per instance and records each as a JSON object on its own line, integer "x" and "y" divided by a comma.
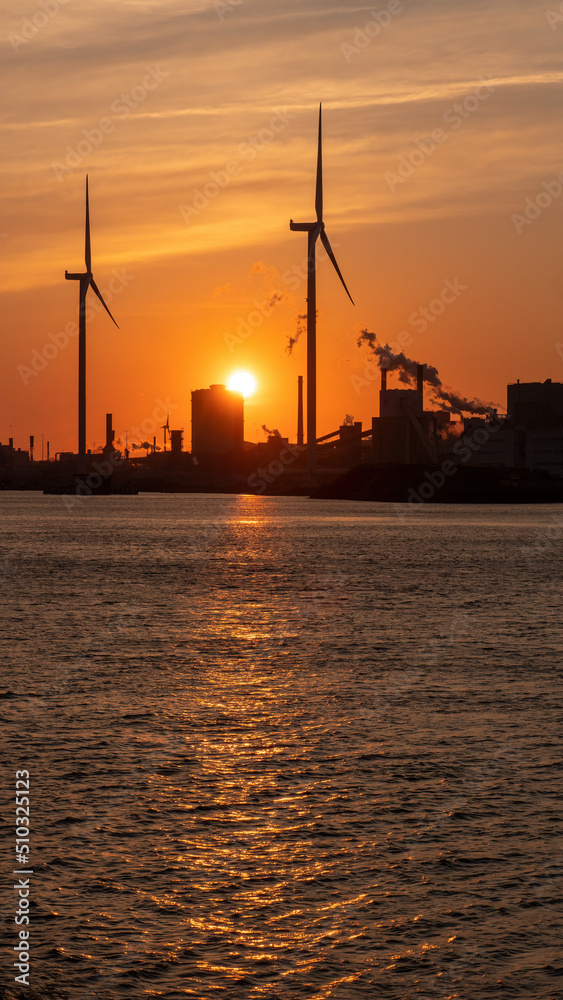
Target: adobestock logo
{"x": 247, "y": 151}
{"x": 555, "y": 17}
{"x": 31, "y": 26}
{"x": 267, "y": 474}
{"x": 292, "y": 279}
{"x": 534, "y": 207}
{"x": 434, "y": 480}
{"x": 455, "y": 116}
{"x": 546, "y": 539}
{"x": 104, "y": 468}
{"x": 419, "y": 320}
{"x": 372, "y": 29}
{"x": 57, "y": 342}
{"x": 121, "y": 109}
{"x": 224, "y": 7}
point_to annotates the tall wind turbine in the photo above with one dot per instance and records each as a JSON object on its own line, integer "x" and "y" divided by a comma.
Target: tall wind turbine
{"x": 86, "y": 281}
{"x": 314, "y": 230}
{"x": 166, "y": 427}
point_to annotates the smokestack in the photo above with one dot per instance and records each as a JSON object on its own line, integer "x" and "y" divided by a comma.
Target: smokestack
{"x": 300, "y": 410}
{"x": 154, "y": 445}
{"x": 31, "y": 444}
{"x": 109, "y": 432}
{"x": 383, "y": 379}
{"x": 420, "y": 369}
{"x": 11, "y": 444}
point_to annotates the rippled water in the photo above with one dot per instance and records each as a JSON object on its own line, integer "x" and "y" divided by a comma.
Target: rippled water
{"x": 282, "y": 748}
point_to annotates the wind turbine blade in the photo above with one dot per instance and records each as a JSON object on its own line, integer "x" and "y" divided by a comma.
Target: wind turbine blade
{"x": 328, "y": 248}
{"x": 319, "y": 187}
{"x": 88, "y": 251}
{"x": 99, "y": 294}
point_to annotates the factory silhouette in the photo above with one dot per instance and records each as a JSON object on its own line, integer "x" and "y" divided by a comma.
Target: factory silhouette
{"x": 410, "y": 452}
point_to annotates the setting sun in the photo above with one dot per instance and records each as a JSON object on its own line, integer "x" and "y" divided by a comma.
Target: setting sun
{"x": 242, "y": 382}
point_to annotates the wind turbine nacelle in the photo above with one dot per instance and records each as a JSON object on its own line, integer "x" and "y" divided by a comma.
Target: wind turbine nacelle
{"x": 302, "y": 227}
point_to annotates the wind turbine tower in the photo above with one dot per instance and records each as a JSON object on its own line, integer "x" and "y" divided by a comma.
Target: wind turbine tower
{"x": 86, "y": 280}
{"x": 314, "y": 230}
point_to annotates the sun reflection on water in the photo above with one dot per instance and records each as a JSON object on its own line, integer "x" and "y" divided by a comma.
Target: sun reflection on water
{"x": 280, "y": 770}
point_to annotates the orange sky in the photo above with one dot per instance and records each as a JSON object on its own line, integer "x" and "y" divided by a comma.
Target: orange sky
{"x": 196, "y": 123}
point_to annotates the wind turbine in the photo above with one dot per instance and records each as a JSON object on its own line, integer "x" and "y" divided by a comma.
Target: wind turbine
{"x": 314, "y": 230}
{"x": 166, "y": 427}
{"x": 86, "y": 281}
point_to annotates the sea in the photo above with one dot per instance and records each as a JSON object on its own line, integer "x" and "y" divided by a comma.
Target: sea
{"x": 281, "y": 747}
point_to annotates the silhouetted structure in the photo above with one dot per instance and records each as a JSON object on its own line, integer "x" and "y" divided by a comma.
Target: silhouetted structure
{"x": 217, "y": 422}
{"x": 531, "y": 437}
{"x": 350, "y": 443}
{"x": 166, "y": 428}
{"x": 400, "y": 433}
{"x": 535, "y": 402}
{"x": 299, "y": 410}
{"x": 536, "y": 412}
{"x": 12, "y": 458}
{"x": 176, "y": 442}
{"x": 86, "y": 281}
{"x": 314, "y": 230}
{"x": 108, "y": 448}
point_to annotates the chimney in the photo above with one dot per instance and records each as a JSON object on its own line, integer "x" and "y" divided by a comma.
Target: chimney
{"x": 420, "y": 380}
{"x": 11, "y": 444}
{"x": 300, "y": 410}
{"x": 383, "y": 379}
{"x": 109, "y": 432}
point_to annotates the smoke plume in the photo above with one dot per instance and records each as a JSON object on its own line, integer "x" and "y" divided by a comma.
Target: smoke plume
{"x": 275, "y": 433}
{"x": 270, "y": 280}
{"x": 276, "y": 298}
{"x": 406, "y": 370}
{"x": 301, "y": 326}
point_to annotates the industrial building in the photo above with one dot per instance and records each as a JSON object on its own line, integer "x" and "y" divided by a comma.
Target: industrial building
{"x": 350, "y": 441}
{"x": 535, "y": 411}
{"x": 535, "y": 403}
{"x": 403, "y": 433}
{"x": 217, "y": 423}
{"x": 176, "y": 442}
{"x": 531, "y": 435}
{"x": 13, "y": 458}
